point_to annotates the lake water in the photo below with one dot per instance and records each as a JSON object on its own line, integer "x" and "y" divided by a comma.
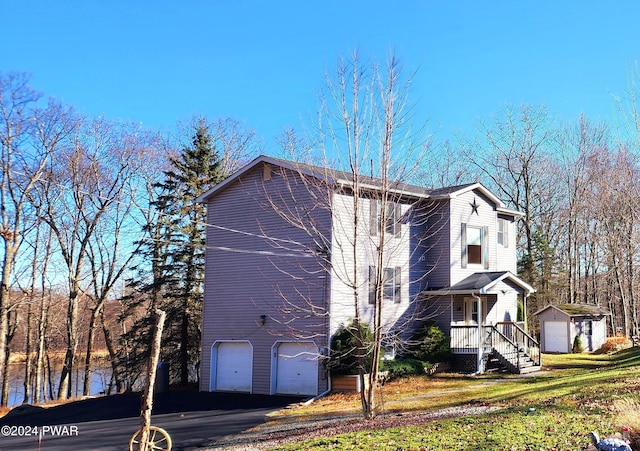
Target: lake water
{"x": 100, "y": 377}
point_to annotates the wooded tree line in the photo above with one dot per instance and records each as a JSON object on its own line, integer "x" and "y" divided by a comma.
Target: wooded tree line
{"x": 100, "y": 225}
{"x": 577, "y": 185}
{"x": 99, "y": 228}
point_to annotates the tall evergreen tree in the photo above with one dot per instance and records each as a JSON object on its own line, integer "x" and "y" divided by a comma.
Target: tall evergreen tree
{"x": 197, "y": 169}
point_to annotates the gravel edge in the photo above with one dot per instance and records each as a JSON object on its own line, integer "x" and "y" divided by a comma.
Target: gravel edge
{"x": 275, "y": 433}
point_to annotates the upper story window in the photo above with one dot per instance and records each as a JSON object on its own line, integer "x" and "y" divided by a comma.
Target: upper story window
{"x": 392, "y": 218}
{"x": 391, "y": 285}
{"x": 503, "y": 232}
{"x": 475, "y": 247}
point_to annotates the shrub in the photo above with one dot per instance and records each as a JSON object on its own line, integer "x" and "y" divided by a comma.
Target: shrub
{"x": 577, "y": 345}
{"x": 520, "y": 316}
{"x": 404, "y": 367}
{"x": 614, "y": 344}
{"x": 345, "y": 353}
{"x": 429, "y": 344}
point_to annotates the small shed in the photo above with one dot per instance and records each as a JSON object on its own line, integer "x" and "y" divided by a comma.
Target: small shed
{"x": 559, "y": 325}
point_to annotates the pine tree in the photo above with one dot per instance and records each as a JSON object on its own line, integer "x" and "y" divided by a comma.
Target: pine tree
{"x": 197, "y": 169}
{"x": 172, "y": 278}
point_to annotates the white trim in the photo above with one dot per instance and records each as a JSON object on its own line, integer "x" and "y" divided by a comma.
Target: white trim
{"x": 214, "y": 361}
{"x": 274, "y": 363}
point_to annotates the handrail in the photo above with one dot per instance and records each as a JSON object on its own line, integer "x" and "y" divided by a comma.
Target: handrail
{"x": 520, "y": 329}
{"x": 502, "y": 334}
{"x": 530, "y": 344}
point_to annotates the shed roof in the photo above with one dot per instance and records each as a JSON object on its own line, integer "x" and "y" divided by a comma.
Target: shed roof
{"x": 577, "y": 309}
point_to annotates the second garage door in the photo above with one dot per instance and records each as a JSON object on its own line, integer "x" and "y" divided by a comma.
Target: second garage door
{"x": 296, "y": 368}
{"x": 555, "y": 336}
{"x": 233, "y": 366}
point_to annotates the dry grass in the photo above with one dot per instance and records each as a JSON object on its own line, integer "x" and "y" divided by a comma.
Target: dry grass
{"x": 57, "y": 356}
{"x": 550, "y": 410}
{"x": 46, "y": 404}
{"x": 614, "y": 344}
{"x": 628, "y": 416}
{"x": 406, "y": 394}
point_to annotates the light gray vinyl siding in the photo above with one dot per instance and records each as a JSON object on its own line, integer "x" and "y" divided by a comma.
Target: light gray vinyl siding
{"x": 439, "y": 310}
{"x": 347, "y": 276}
{"x": 437, "y": 241}
{"x": 462, "y": 213}
{"x": 506, "y": 256}
{"x": 248, "y": 276}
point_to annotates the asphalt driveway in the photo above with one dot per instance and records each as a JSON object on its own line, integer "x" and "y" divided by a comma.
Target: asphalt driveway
{"x": 192, "y": 419}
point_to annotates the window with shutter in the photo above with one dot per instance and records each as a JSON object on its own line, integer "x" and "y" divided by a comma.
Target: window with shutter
{"x": 475, "y": 247}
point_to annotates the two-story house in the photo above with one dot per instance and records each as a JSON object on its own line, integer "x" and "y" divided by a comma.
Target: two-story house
{"x": 291, "y": 249}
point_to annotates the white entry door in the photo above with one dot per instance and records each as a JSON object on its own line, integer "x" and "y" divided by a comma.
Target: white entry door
{"x": 555, "y": 336}
{"x": 297, "y": 368}
{"x": 233, "y": 366}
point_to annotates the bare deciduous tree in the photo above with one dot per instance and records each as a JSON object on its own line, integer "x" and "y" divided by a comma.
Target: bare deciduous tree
{"x": 364, "y": 131}
{"x": 28, "y": 136}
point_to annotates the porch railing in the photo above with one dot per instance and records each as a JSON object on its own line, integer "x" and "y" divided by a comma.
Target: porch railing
{"x": 507, "y": 338}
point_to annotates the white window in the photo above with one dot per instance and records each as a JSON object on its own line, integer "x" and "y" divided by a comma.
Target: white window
{"x": 474, "y": 246}
{"x": 389, "y": 345}
{"x": 392, "y": 216}
{"x": 503, "y": 232}
{"x": 391, "y": 285}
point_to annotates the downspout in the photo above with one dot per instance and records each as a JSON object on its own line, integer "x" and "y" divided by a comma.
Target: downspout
{"x": 480, "y": 363}
{"x": 324, "y": 393}
{"x": 525, "y": 296}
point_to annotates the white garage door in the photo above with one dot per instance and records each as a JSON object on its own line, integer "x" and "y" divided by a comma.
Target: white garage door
{"x": 297, "y": 369}
{"x": 555, "y": 336}
{"x": 233, "y": 366}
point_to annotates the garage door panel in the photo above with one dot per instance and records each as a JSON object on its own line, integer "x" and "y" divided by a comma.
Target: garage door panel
{"x": 297, "y": 369}
{"x": 234, "y": 367}
{"x": 555, "y": 336}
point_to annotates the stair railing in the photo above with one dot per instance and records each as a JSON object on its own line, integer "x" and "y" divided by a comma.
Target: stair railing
{"x": 522, "y": 340}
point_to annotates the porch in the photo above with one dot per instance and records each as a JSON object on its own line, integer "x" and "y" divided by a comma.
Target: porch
{"x": 506, "y": 342}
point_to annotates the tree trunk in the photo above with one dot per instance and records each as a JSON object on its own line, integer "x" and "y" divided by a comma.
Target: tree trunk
{"x": 5, "y": 377}
{"x": 147, "y": 397}
{"x": 28, "y": 359}
{"x": 86, "y": 386}
{"x": 4, "y": 328}
{"x": 113, "y": 358}
{"x": 65, "y": 386}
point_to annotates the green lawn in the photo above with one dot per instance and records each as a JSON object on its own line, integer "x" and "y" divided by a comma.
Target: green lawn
{"x": 554, "y": 410}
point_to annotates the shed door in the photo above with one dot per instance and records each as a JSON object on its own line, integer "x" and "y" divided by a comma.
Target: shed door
{"x": 297, "y": 369}
{"x": 555, "y": 336}
{"x": 233, "y": 366}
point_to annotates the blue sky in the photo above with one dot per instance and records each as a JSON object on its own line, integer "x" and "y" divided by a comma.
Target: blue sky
{"x": 158, "y": 62}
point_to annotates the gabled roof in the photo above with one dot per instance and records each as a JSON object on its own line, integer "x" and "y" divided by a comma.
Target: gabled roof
{"x": 577, "y": 309}
{"x": 482, "y": 283}
{"x": 329, "y": 176}
{"x": 344, "y": 178}
{"x": 451, "y": 192}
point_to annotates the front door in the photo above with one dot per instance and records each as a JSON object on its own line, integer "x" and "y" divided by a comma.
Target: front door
{"x": 471, "y": 310}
